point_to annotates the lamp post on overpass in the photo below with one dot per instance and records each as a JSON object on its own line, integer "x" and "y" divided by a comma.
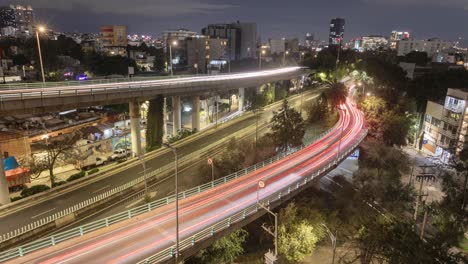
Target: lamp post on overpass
{"x": 262, "y": 52}
{"x": 284, "y": 57}
{"x": 40, "y": 29}
{"x": 341, "y": 136}
{"x": 174, "y": 150}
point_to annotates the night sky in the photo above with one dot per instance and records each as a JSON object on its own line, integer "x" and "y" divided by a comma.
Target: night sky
{"x": 446, "y": 19}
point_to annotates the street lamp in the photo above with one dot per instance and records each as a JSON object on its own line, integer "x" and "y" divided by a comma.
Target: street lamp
{"x": 261, "y": 185}
{"x": 284, "y": 57}
{"x": 341, "y": 136}
{"x": 174, "y": 150}
{"x": 40, "y": 29}
{"x": 174, "y": 43}
{"x": 333, "y": 241}
{"x": 301, "y": 56}
{"x": 262, "y": 52}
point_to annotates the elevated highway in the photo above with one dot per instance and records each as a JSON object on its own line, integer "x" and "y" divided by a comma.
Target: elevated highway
{"x": 58, "y": 97}
{"x": 150, "y": 237}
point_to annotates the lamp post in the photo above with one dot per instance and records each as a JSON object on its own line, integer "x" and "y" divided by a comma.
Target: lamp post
{"x": 284, "y": 57}
{"x": 261, "y": 185}
{"x": 174, "y": 150}
{"x": 170, "y": 55}
{"x": 301, "y": 55}
{"x": 211, "y": 164}
{"x": 40, "y": 29}
{"x": 262, "y": 52}
{"x": 333, "y": 241}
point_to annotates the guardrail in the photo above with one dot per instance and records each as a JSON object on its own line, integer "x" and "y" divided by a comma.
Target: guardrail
{"x": 208, "y": 232}
{"x": 84, "y": 229}
{"x": 87, "y": 82}
{"x": 127, "y": 87}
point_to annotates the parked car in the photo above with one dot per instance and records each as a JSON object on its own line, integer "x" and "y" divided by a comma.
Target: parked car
{"x": 91, "y": 162}
{"x": 119, "y": 154}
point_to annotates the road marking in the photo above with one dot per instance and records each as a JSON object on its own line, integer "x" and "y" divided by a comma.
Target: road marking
{"x": 45, "y": 212}
{"x": 98, "y": 190}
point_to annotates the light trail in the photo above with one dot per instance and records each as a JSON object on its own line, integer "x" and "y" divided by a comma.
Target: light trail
{"x": 155, "y": 231}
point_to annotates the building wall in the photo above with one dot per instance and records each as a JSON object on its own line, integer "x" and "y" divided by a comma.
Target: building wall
{"x": 431, "y": 46}
{"x": 201, "y": 51}
{"x": 277, "y": 46}
{"x": 15, "y": 146}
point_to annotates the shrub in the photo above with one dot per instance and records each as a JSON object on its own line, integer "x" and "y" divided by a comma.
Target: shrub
{"x": 34, "y": 189}
{"x": 14, "y": 199}
{"x": 59, "y": 183}
{"x": 76, "y": 176}
{"x": 93, "y": 171}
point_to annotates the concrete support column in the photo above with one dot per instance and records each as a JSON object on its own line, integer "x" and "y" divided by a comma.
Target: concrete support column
{"x": 196, "y": 113}
{"x": 241, "y": 98}
{"x": 4, "y": 193}
{"x": 135, "y": 128}
{"x": 165, "y": 116}
{"x": 176, "y": 115}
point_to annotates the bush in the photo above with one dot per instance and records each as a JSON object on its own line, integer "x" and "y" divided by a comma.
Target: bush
{"x": 14, "y": 199}
{"x": 34, "y": 189}
{"x": 93, "y": 171}
{"x": 59, "y": 183}
{"x": 76, "y": 176}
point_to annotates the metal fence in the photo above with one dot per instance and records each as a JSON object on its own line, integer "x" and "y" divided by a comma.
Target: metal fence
{"x": 208, "y": 232}
{"x": 84, "y": 229}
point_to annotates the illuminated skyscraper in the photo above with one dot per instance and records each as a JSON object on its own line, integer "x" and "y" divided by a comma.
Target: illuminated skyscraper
{"x": 337, "y": 26}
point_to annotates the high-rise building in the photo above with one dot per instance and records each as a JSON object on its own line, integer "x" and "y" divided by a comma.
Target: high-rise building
{"x": 7, "y": 21}
{"x": 397, "y": 36}
{"x": 337, "y": 26}
{"x": 241, "y": 37}
{"x": 113, "y": 40}
{"x": 24, "y": 18}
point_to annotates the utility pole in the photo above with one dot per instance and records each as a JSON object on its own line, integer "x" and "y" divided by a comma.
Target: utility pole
{"x": 421, "y": 178}
{"x": 424, "y": 224}
{"x": 274, "y": 233}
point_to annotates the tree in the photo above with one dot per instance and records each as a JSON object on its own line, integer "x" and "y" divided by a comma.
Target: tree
{"x": 395, "y": 128}
{"x": 287, "y": 127}
{"x": 317, "y": 110}
{"x": 54, "y": 148}
{"x": 159, "y": 63}
{"x": 336, "y": 93}
{"x": 224, "y": 250}
{"x": 298, "y": 234}
{"x": 418, "y": 57}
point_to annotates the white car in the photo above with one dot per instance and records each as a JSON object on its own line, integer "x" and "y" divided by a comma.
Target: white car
{"x": 119, "y": 154}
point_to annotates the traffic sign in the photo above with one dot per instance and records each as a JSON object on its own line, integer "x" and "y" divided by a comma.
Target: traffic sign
{"x": 261, "y": 184}
{"x": 210, "y": 161}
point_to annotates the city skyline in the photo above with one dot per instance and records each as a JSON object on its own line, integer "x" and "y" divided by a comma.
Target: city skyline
{"x": 274, "y": 20}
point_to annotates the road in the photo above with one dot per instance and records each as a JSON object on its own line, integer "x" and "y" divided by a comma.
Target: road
{"x": 136, "y": 239}
{"x": 49, "y": 207}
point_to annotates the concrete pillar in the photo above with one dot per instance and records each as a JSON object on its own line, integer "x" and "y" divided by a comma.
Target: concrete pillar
{"x": 165, "y": 116}
{"x": 176, "y": 115}
{"x": 4, "y": 193}
{"x": 135, "y": 128}
{"x": 196, "y": 113}
{"x": 241, "y": 98}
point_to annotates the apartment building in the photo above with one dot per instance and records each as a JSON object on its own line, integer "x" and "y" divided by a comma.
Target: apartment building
{"x": 446, "y": 124}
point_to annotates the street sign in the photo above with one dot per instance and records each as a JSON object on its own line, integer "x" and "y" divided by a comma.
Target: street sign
{"x": 210, "y": 161}
{"x": 425, "y": 141}
{"x": 261, "y": 184}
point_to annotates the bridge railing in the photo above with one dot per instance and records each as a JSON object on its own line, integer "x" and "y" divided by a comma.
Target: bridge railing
{"x": 33, "y": 85}
{"x": 208, "y": 232}
{"x": 84, "y": 229}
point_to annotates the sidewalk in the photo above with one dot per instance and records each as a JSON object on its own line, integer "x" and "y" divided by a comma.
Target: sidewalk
{"x": 61, "y": 174}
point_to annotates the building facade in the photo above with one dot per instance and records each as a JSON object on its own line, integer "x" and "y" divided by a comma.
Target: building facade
{"x": 241, "y": 37}
{"x": 175, "y": 44}
{"x": 16, "y": 19}
{"x": 396, "y": 36}
{"x": 112, "y": 40}
{"x": 205, "y": 54}
{"x": 373, "y": 43}
{"x": 277, "y": 46}
{"x": 430, "y": 46}
{"x": 337, "y": 26}
{"x": 446, "y": 124}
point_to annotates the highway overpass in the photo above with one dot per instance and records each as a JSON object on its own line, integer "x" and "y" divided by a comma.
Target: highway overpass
{"x": 150, "y": 237}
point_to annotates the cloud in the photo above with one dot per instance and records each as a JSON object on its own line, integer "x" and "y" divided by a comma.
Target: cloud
{"x": 165, "y": 8}
{"x": 459, "y": 4}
